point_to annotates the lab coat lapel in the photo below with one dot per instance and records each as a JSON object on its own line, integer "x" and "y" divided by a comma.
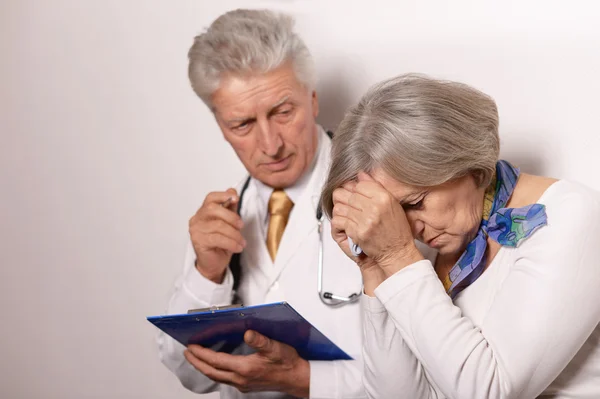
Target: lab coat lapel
{"x": 256, "y": 255}
{"x": 303, "y": 219}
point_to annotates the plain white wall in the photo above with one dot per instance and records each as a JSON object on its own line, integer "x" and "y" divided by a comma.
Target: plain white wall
{"x": 106, "y": 152}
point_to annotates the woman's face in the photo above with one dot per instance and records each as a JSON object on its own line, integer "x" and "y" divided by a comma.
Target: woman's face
{"x": 445, "y": 217}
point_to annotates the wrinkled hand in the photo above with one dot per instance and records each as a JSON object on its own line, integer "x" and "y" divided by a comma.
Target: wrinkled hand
{"x": 216, "y": 235}
{"x": 373, "y": 218}
{"x": 338, "y": 228}
{"x": 274, "y": 367}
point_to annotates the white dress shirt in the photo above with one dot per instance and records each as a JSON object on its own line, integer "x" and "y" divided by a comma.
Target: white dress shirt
{"x": 294, "y": 192}
{"x": 292, "y": 277}
{"x": 527, "y": 328}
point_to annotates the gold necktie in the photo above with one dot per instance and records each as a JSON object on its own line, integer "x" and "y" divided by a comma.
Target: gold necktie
{"x": 280, "y": 206}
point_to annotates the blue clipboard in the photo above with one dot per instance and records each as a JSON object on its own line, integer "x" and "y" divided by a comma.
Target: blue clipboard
{"x": 223, "y": 329}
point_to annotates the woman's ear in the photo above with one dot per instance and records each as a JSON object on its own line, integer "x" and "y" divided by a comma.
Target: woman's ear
{"x": 480, "y": 178}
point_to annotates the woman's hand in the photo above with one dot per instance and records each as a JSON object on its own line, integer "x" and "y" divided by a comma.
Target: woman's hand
{"x": 373, "y": 218}
{"x": 372, "y": 274}
{"x": 338, "y": 226}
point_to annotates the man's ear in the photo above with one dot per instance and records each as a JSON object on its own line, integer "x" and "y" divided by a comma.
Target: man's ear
{"x": 315, "y": 104}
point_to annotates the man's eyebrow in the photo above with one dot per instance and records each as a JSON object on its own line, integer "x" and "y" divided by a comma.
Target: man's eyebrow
{"x": 239, "y": 120}
{"x": 249, "y": 118}
{"x": 280, "y": 102}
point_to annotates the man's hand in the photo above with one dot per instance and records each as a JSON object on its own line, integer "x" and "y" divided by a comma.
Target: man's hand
{"x": 216, "y": 235}
{"x": 274, "y": 367}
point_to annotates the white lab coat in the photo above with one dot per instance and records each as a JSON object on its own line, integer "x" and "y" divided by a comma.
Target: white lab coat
{"x": 291, "y": 278}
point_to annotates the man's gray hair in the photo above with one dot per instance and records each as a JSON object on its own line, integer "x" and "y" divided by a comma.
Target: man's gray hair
{"x": 243, "y": 42}
{"x": 420, "y": 131}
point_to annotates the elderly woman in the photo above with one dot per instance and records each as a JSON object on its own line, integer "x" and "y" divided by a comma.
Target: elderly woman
{"x": 499, "y": 296}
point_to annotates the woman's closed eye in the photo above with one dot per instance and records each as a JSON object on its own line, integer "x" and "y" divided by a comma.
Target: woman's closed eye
{"x": 416, "y": 205}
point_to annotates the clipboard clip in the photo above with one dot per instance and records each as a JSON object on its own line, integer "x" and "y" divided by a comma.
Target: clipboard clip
{"x": 214, "y": 308}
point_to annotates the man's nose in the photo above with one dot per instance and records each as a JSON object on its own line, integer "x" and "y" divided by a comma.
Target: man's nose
{"x": 270, "y": 141}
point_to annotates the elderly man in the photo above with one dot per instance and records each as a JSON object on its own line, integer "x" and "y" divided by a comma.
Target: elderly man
{"x": 259, "y": 242}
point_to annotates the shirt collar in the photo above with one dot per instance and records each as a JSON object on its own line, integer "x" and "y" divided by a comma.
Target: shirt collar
{"x": 295, "y": 191}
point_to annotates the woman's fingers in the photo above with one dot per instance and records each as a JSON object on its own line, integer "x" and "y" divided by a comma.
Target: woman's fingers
{"x": 354, "y": 215}
{"x": 341, "y": 210}
{"x": 350, "y": 185}
{"x": 341, "y": 224}
{"x": 341, "y": 196}
{"x": 348, "y": 225}
{"x": 346, "y": 197}
{"x": 360, "y": 195}
{"x": 340, "y": 228}
{"x": 370, "y": 189}
{"x": 362, "y": 176}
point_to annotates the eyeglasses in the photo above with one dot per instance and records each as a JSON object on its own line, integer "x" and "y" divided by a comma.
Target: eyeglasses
{"x": 329, "y": 298}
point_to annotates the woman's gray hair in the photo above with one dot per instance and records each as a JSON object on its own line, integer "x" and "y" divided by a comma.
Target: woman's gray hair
{"x": 247, "y": 41}
{"x": 418, "y": 130}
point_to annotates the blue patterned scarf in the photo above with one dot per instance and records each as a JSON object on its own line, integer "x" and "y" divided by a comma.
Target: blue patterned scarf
{"x": 508, "y": 226}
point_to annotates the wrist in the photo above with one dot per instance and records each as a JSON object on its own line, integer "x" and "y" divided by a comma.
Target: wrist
{"x": 372, "y": 277}
{"x": 297, "y": 382}
{"x": 216, "y": 278}
{"x": 399, "y": 260}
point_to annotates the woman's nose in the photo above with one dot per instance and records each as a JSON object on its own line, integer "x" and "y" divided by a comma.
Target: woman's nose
{"x": 417, "y": 226}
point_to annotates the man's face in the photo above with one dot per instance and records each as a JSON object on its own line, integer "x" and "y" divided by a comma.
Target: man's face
{"x": 269, "y": 120}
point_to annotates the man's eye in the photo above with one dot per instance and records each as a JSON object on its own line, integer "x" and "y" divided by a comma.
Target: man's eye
{"x": 242, "y": 126}
{"x": 284, "y": 111}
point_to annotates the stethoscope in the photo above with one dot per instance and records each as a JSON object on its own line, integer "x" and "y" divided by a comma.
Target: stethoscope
{"x": 329, "y": 298}
{"x": 326, "y": 297}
